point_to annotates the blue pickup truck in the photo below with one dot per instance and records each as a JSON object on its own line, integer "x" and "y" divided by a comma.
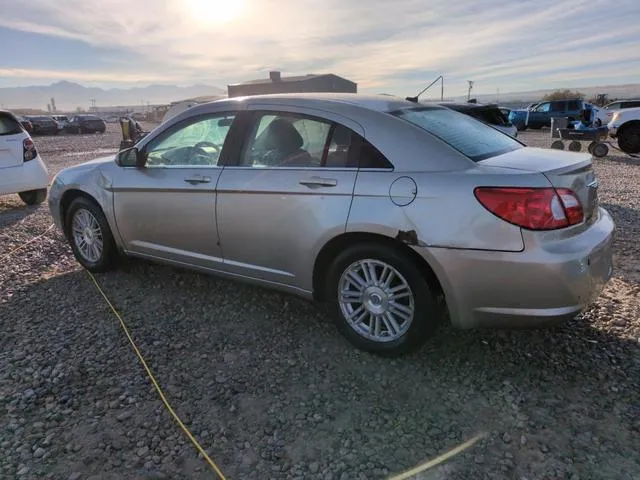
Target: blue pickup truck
{"x": 540, "y": 115}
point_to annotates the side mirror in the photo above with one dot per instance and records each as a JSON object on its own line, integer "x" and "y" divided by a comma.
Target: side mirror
{"x": 131, "y": 157}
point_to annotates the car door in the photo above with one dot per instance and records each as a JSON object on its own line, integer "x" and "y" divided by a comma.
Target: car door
{"x": 166, "y": 209}
{"x": 290, "y": 191}
{"x": 557, "y": 108}
{"x": 538, "y": 115}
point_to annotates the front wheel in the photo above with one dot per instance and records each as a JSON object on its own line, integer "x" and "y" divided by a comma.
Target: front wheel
{"x": 380, "y": 299}
{"x": 90, "y": 236}
{"x": 629, "y": 139}
{"x": 33, "y": 197}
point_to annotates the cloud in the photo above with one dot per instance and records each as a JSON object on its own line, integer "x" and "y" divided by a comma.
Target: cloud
{"x": 397, "y": 46}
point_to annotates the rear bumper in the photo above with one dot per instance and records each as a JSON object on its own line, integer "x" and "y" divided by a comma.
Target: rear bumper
{"x": 540, "y": 285}
{"x": 31, "y": 175}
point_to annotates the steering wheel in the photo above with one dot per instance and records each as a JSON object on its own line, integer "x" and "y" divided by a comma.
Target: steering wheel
{"x": 207, "y": 144}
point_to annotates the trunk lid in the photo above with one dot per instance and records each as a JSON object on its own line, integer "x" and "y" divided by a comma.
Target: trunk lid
{"x": 563, "y": 170}
{"x": 11, "y": 137}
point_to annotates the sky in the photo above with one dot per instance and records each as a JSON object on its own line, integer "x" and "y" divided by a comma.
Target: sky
{"x": 386, "y": 46}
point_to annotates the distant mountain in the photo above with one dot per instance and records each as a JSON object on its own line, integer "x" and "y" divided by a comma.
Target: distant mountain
{"x": 68, "y": 95}
{"x": 613, "y": 91}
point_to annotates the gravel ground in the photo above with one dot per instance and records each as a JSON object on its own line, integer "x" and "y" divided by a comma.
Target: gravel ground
{"x": 273, "y": 391}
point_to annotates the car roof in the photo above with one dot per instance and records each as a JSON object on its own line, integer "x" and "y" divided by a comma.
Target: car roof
{"x": 379, "y": 103}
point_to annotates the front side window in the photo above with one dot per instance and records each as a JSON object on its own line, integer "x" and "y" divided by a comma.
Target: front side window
{"x": 470, "y": 137}
{"x": 613, "y": 106}
{"x": 195, "y": 144}
{"x": 286, "y": 140}
{"x": 543, "y": 108}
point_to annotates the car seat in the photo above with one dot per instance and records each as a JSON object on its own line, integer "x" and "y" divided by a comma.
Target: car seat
{"x": 340, "y": 156}
{"x": 283, "y": 144}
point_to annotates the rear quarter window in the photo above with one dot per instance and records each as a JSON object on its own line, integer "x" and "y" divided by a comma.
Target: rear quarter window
{"x": 9, "y": 125}
{"x": 470, "y": 137}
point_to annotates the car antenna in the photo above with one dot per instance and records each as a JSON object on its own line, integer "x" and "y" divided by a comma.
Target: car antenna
{"x": 441, "y": 78}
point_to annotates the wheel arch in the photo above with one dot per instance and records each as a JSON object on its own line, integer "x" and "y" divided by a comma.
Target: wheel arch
{"x": 67, "y": 198}
{"x": 337, "y": 244}
{"x": 627, "y": 124}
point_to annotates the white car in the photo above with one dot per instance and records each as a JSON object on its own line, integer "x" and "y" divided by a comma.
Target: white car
{"x": 625, "y": 126}
{"x": 22, "y": 171}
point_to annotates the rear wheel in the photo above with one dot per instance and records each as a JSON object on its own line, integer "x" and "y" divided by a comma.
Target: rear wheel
{"x": 629, "y": 138}
{"x": 90, "y": 236}
{"x": 380, "y": 300}
{"x": 33, "y": 197}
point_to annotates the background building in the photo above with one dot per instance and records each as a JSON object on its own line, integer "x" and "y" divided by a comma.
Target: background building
{"x": 327, "y": 82}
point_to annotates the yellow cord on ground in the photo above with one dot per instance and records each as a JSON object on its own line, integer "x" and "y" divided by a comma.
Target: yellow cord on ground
{"x": 16, "y": 250}
{"x": 155, "y": 383}
{"x": 438, "y": 460}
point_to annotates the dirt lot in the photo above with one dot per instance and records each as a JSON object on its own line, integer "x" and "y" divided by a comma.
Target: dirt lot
{"x": 273, "y": 391}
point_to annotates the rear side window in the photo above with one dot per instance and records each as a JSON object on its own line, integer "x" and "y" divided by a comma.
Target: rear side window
{"x": 470, "y": 137}
{"x": 9, "y": 125}
{"x": 574, "y": 105}
{"x": 492, "y": 116}
{"x": 557, "y": 106}
{"x": 633, "y": 104}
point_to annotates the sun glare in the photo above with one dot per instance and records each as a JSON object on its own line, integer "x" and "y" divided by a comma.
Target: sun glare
{"x": 213, "y": 12}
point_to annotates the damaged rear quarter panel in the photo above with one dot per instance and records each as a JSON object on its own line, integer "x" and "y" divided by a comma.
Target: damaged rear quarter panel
{"x": 444, "y": 214}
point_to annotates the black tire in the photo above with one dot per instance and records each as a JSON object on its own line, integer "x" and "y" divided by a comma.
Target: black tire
{"x": 600, "y": 150}
{"x": 558, "y": 145}
{"x": 33, "y": 197}
{"x": 427, "y": 314}
{"x": 575, "y": 146}
{"x": 629, "y": 138}
{"x": 521, "y": 127}
{"x": 108, "y": 257}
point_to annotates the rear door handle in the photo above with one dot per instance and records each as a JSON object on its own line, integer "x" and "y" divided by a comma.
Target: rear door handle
{"x": 197, "y": 179}
{"x": 315, "y": 182}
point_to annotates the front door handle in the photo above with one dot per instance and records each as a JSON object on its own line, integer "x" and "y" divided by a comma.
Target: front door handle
{"x": 197, "y": 179}
{"x": 315, "y": 182}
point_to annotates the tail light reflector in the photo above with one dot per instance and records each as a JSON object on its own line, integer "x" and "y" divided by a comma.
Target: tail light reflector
{"x": 28, "y": 149}
{"x": 532, "y": 208}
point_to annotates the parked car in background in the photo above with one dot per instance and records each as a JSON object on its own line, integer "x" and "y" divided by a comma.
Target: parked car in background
{"x": 21, "y": 168}
{"x": 489, "y": 114}
{"x": 86, "y": 124}
{"x": 26, "y": 123}
{"x": 625, "y": 126}
{"x": 611, "y": 108}
{"x": 42, "y": 125}
{"x": 62, "y": 121}
{"x": 388, "y": 211}
{"x": 540, "y": 115}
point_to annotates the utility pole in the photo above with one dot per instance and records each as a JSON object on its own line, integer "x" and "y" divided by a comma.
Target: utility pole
{"x": 469, "y": 91}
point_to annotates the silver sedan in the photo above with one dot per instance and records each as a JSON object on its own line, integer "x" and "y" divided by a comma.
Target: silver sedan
{"x": 395, "y": 214}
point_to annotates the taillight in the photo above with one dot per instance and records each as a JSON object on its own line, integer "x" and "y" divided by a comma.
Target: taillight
{"x": 532, "y": 208}
{"x": 28, "y": 149}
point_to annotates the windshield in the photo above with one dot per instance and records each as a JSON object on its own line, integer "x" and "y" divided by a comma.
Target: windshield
{"x": 467, "y": 135}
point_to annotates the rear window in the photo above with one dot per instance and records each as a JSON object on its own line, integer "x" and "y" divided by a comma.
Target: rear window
{"x": 9, "y": 125}
{"x": 90, "y": 117}
{"x": 467, "y": 135}
{"x": 492, "y": 116}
